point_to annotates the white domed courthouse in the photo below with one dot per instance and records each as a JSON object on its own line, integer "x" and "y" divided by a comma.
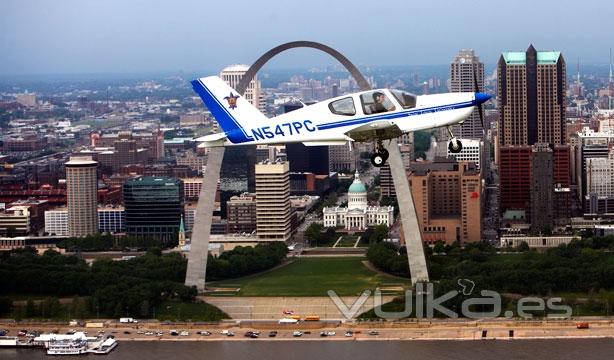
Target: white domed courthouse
{"x": 358, "y": 215}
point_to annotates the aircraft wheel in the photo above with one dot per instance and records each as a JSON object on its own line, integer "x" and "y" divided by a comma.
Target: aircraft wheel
{"x": 377, "y": 160}
{"x": 384, "y": 154}
{"x": 455, "y": 146}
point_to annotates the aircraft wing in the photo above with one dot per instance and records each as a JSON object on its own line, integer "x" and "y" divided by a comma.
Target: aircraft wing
{"x": 367, "y": 132}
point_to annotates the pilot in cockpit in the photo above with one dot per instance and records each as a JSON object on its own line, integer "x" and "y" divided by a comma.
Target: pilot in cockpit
{"x": 378, "y": 103}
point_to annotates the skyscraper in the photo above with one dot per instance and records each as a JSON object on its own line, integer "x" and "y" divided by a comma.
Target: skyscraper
{"x": 233, "y": 74}
{"x": 531, "y": 100}
{"x": 462, "y": 70}
{"x": 154, "y": 206}
{"x": 273, "y": 211}
{"x": 531, "y": 94}
{"x": 82, "y": 196}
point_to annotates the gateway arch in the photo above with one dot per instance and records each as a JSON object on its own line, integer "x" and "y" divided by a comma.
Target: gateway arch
{"x": 197, "y": 257}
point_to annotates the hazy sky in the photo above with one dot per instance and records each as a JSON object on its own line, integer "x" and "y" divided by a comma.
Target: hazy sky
{"x": 90, "y": 36}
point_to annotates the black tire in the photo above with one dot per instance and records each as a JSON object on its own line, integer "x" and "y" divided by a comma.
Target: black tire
{"x": 377, "y": 160}
{"x": 452, "y": 148}
{"x": 385, "y": 154}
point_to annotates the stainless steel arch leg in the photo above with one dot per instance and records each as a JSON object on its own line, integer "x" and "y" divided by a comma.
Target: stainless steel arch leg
{"x": 409, "y": 219}
{"x": 199, "y": 246}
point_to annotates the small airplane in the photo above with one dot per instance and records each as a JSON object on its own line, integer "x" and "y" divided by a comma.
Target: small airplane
{"x": 373, "y": 115}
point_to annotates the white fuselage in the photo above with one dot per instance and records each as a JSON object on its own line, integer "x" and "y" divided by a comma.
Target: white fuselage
{"x": 317, "y": 123}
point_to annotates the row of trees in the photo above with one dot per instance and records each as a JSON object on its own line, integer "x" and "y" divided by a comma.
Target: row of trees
{"x": 110, "y": 288}
{"x": 581, "y": 266}
{"x": 243, "y": 261}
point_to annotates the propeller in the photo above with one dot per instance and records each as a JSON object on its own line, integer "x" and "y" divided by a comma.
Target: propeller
{"x": 477, "y": 90}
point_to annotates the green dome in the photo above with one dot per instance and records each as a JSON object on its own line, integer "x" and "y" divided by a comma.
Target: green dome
{"x": 357, "y": 187}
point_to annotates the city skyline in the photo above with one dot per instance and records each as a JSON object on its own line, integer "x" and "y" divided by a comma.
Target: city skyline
{"x": 74, "y": 37}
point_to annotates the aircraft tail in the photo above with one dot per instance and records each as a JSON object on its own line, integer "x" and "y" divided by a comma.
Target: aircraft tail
{"x": 231, "y": 110}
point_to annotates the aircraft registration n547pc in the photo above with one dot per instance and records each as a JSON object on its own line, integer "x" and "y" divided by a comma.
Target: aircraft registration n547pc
{"x": 374, "y": 115}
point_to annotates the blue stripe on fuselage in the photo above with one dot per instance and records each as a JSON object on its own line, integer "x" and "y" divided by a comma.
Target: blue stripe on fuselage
{"x": 396, "y": 115}
{"x": 233, "y": 130}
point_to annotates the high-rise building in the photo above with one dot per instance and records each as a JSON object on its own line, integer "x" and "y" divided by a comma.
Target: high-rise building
{"x": 341, "y": 159}
{"x": 531, "y": 97}
{"x": 241, "y": 215}
{"x": 471, "y": 152}
{"x": 531, "y": 100}
{"x": 447, "y": 199}
{"x": 82, "y": 196}
{"x": 153, "y": 207}
{"x": 462, "y": 70}
{"x": 112, "y": 219}
{"x": 515, "y": 178}
{"x": 542, "y": 189}
{"x": 273, "y": 214}
{"x": 233, "y": 74}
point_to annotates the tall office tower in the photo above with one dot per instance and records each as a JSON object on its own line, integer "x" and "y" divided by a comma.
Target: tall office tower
{"x": 515, "y": 178}
{"x": 471, "y": 152}
{"x": 82, "y": 196}
{"x": 241, "y": 215}
{"x": 531, "y": 100}
{"x": 592, "y": 146}
{"x": 447, "y": 199}
{"x": 273, "y": 213}
{"x": 233, "y": 74}
{"x": 461, "y": 80}
{"x": 341, "y": 159}
{"x": 541, "y": 189}
{"x": 531, "y": 95}
{"x": 153, "y": 207}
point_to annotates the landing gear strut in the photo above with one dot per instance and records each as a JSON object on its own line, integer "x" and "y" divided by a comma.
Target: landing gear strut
{"x": 454, "y": 145}
{"x": 379, "y": 157}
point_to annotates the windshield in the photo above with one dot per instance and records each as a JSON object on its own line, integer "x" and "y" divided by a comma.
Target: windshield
{"x": 407, "y": 100}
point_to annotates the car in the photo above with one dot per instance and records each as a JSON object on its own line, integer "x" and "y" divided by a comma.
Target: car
{"x": 205, "y": 333}
{"x": 173, "y": 332}
{"x": 126, "y": 332}
{"x": 349, "y": 333}
{"x": 288, "y": 312}
{"x": 230, "y": 333}
{"x": 184, "y": 333}
{"x": 373, "y": 332}
{"x": 307, "y": 332}
{"x": 3, "y": 332}
{"x": 273, "y": 333}
{"x": 297, "y": 334}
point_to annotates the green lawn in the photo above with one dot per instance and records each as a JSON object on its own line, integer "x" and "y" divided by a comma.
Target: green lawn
{"x": 314, "y": 277}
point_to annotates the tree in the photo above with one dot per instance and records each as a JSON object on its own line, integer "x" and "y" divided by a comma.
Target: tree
{"x": 439, "y": 247}
{"x": 380, "y": 232}
{"x": 314, "y": 233}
